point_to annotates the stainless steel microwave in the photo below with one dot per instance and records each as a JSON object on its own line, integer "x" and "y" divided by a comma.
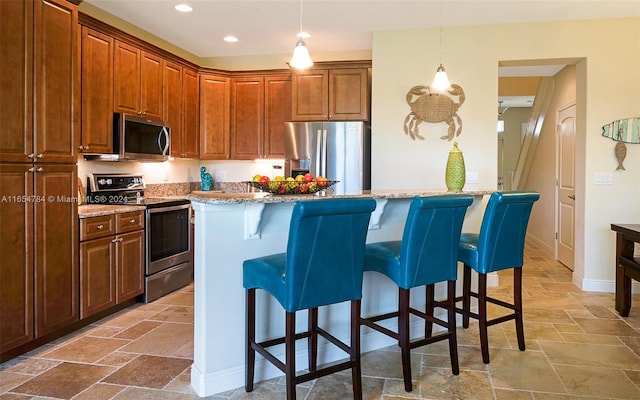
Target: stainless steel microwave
{"x": 137, "y": 138}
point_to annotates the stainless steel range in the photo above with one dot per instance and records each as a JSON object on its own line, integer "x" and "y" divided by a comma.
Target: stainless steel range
{"x": 168, "y": 255}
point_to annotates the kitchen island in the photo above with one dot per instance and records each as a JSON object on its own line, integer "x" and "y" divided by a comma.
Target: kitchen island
{"x": 230, "y": 228}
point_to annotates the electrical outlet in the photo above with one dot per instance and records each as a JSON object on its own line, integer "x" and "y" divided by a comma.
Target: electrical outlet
{"x": 603, "y": 178}
{"x": 472, "y": 177}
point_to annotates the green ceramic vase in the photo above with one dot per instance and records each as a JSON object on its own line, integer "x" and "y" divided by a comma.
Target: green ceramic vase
{"x": 455, "y": 173}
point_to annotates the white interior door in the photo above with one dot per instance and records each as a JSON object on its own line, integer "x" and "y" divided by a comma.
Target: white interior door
{"x": 565, "y": 184}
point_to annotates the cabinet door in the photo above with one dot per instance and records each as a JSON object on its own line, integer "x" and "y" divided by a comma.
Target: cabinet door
{"x": 129, "y": 265}
{"x": 277, "y": 111}
{"x": 56, "y": 248}
{"x": 247, "y": 118}
{"x": 56, "y": 81}
{"x": 16, "y": 80}
{"x": 190, "y": 107}
{"x": 173, "y": 105}
{"x": 126, "y": 78}
{"x": 97, "y": 92}
{"x": 349, "y": 94}
{"x": 310, "y": 97}
{"x": 16, "y": 247}
{"x": 214, "y": 117}
{"x": 97, "y": 276}
{"x": 150, "y": 85}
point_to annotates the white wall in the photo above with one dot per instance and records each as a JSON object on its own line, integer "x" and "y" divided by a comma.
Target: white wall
{"x": 608, "y": 81}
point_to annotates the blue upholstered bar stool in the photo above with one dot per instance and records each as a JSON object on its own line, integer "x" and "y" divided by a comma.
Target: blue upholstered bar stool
{"x": 498, "y": 246}
{"x": 427, "y": 254}
{"x": 322, "y": 265}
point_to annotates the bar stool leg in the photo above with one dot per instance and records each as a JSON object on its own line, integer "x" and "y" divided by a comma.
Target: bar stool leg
{"x": 451, "y": 325}
{"x": 250, "y": 338}
{"x": 356, "y": 371}
{"x": 313, "y": 339}
{"x": 403, "y": 334}
{"x": 466, "y": 296}
{"x": 429, "y": 309}
{"x": 482, "y": 316}
{"x": 517, "y": 301}
{"x": 290, "y": 356}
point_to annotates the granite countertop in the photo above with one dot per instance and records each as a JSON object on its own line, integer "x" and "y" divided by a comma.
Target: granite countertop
{"x": 97, "y": 210}
{"x": 262, "y": 197}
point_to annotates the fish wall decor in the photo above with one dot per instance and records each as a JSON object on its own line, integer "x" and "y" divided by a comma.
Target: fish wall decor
{"x": 622, "y": 131}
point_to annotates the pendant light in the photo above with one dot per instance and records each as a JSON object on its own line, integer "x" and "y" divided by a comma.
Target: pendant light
{"x": 300, "y": 58}
{"x": 441, "y": 81}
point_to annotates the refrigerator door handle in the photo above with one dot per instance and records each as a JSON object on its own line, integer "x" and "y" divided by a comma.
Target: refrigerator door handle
{"x": 323, "y": 170}
{"x": 318, "y": 154}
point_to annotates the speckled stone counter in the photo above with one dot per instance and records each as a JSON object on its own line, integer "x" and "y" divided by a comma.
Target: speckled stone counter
{"x": 96, "y": 210}
{"x": 233, "y": 227}
{"x": 263, "y": 197}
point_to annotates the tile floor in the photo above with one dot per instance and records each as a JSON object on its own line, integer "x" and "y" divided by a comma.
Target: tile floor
{"x": 577, "y": 348}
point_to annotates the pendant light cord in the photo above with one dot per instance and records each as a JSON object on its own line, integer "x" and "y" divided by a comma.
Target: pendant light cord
{"x": 300, "y": 16}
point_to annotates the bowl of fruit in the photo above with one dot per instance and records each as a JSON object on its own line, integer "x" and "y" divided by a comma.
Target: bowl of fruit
{"x": 301, "y": 184}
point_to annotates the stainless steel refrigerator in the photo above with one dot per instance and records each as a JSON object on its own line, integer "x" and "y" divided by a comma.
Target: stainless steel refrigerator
{"x": 337, "y": 150}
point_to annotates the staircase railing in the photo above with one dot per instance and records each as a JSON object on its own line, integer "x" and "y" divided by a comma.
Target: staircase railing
{"x": 539, "y": 112}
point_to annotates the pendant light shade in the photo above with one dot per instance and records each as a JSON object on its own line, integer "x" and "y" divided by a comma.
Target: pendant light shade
{"x": 301, "y": 58}
{"x": 441, "y": 80}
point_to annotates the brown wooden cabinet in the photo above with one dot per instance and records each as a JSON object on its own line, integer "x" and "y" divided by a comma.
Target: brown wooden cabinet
{"x": 190, "y": 117}
{"x": 214, "y": 117}
{"x": 38, "y": 286}
{"x": 111, "y": 260}
{"x": 340, "y": 94}
{"x": 97, "y": 91}
{"x": 40, "y": 81}
{"x": 259, "y": 107}
{"x": 137, "y": 81}
{"x": 181, "y": 109}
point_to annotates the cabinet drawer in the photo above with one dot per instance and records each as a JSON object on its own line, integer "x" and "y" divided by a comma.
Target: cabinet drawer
{"x": 97, "y": 227}
{"x": 131, "y": 221}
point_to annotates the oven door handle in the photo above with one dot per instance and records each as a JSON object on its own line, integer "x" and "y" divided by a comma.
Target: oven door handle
{"x": 165, "y": 149}
{"x": 170, "y": 208}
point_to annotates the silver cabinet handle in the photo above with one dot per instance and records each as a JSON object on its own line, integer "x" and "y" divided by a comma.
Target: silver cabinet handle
{"x": 31, "y": 155}
{"x": 114, "y": 241}
{"x": 40, "y": 155}
{"x": 32, "y": 169}
{"x": 100, "y": 226}
{"x": 40, "y": 169}
{"x": 132, "y": 221}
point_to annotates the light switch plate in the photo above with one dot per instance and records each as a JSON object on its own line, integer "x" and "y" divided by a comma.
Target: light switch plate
{"x": 603, "y": 178}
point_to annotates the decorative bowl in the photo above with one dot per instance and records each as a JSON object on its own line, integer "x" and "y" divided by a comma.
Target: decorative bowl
{"x": 292, "y": 187}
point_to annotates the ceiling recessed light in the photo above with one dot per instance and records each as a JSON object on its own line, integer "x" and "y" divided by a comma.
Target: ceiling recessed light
{"x": 304, "y": 35}
{"x": 230, "y": 39}
{"x": 183, "y": 7}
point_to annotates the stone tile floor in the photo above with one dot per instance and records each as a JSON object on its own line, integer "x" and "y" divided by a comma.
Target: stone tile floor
{"x": 577, "y": 348}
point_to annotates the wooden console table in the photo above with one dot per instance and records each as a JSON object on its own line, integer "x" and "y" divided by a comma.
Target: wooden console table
{"x": 627, "y": 267}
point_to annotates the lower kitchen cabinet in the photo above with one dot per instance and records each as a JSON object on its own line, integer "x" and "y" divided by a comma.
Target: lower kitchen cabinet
{"x": 111, "y": 260}
{"x": 39, "y": 274}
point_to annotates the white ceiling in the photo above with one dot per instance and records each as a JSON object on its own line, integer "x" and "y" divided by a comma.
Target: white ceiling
{"x": 270, "y": 26}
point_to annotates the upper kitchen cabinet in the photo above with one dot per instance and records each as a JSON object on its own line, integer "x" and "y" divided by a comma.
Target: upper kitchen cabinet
{"x": 181, "y": 109}
{"x": 247, "y": 118}
{"x": 214, "y": 117}
{"x": 277, "y": 110}
{"x": 97, "y": 91}
{"x": 137, "y": 81}
{"x": 259, "y": 107}
{"x": 340, "y": 94}
{"x": 39, "y": 76}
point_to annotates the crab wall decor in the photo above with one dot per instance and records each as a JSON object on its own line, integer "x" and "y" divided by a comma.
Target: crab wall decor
{"x": 427, "y": 105}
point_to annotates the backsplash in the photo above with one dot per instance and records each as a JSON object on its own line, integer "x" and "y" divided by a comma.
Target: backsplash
{"x": 184, "y": 188}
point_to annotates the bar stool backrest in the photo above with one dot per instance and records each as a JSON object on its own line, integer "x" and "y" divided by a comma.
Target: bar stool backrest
{"x": 503, "y": 230}
{"x": 325, "y": 252}
{"x": 429, "y": 249}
